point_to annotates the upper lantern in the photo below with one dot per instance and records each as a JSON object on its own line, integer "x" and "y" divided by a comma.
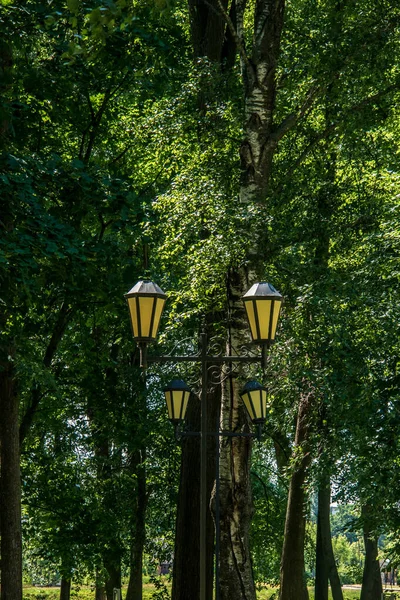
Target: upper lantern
{"x": 263, "y": 305}
{"x": 146, "y": 302}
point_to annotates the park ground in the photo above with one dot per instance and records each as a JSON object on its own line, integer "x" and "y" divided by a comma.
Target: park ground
{"x": 149, "y": 592}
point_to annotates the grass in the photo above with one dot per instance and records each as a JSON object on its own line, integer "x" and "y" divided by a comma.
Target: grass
{"x": 149, "y": 593}
{"x": 268, "y": 594}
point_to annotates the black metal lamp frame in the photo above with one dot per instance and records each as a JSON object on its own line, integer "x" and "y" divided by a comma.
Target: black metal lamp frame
{"x": 206, "y": 361}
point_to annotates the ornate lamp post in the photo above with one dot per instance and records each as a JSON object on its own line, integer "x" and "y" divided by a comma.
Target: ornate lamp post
{"x": 262, "y": 302}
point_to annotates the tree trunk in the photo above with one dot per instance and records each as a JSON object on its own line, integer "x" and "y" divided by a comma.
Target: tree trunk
{"x": 100, "y": 434}
{"x": 113, "y": 567}
{"x": 186, "y": 573}
{"x": 208, "y": 23}
{"x": 282, "y": 450}
{"x": 321, "y": 557}
{"x": 10, "y": 478}
{"x": 256, "y": 154}
{"x": 10, "y": 502}
{"x": 371, "y": 583}
{"x": 211, "y": 40}
{"x": 259, "y": 77}
{"x": 336, "y": 586}
{"x": 236, "y": 508}
{"x": 207, "y": 26}
{"x": 65, "y": 589}
{"x": 135, "y": 585}
{"x": 100, "y": 592}
{"x": 326, "y": 568}
{"x": 111, "y": 554}
{"x": 293, "y": 583}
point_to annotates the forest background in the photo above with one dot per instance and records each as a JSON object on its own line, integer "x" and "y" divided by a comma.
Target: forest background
{"x": 204, "y": 145}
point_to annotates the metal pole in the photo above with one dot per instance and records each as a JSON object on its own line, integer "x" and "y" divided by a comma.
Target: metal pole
{"x": 217, "y": 512}
{"x": 203, "y": 471}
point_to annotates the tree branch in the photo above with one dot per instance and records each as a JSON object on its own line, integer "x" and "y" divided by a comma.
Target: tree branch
{"x": 96, "y": 119}
{"x": 290, "y": 121}
{"x": 104, "y": 226}
{"x": 91, "y": 109}
{"x": 333, "y": 126}
{"x": 121, "y": 154}
{"x": 238, "y": 41}
{"x": 37, "y": 394}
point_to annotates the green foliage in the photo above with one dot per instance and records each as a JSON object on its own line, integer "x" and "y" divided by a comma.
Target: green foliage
{"x": 73, "y": 196}
{"x": 345, "y": 521}
{"x": 106, "y": 152}
{"x": 349, "y": 559}
{"x": 160, "y": 589}
{"x": 266, "y": 534}
{"x": 41, "y": 593}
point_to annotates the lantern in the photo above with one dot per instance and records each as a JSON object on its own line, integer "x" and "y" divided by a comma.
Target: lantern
{"x": 263, "y": 304}
{"x": 254, "y": 396}
{"x": 146, "y": 302}
{"x": 177, "y": 395}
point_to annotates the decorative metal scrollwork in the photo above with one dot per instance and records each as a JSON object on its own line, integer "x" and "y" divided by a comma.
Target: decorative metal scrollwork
{"x": 186, "y": 347}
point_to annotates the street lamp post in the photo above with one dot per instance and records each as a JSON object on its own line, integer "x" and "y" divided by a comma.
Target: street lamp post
{"x": 262, "y": 302}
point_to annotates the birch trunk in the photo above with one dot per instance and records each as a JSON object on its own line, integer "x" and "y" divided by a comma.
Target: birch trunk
{"x": 259, "y": 77}
{"x": 260, "y": 140}
{"x": 236, "y": 508}
{"x": 256, "y": 152}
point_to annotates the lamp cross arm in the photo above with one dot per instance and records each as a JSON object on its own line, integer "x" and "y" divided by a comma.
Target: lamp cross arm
{"x": 179, "y": 435}
{"x": 208, "y": 359}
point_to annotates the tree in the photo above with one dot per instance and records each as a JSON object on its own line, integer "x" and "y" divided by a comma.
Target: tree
{"x": 61, "y": 197}
{"x": 119, "y": 144}
{"x": 10, "y": 493}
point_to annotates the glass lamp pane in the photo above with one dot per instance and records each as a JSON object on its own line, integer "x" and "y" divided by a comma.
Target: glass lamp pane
{"x": 256, "y": 402}
{"x": 146, "y": 311}
{"x": 248, "y": 405}
{"x": 251, "y": 317}
{"x": 133, "y": 313}
{"x": 177, "y": 401}
{"x": 264, "y": 315}
{"x": 168, "y": 399}
{"x": 157, "y": 316}
{"x": 261, "y": 405}
{"x": 275, "y": 317}
{"x": 185, "y": 403}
